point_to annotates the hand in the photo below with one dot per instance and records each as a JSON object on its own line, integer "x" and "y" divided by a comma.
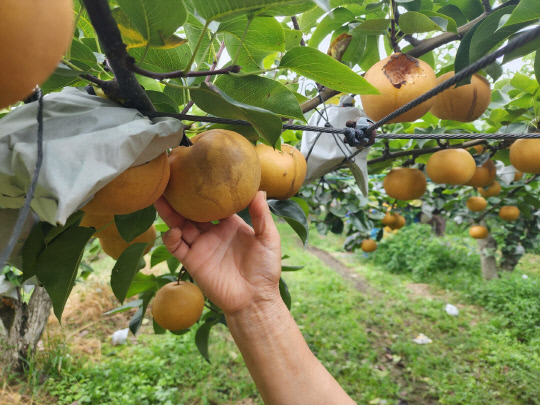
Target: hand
{"x": 235, "y": 265}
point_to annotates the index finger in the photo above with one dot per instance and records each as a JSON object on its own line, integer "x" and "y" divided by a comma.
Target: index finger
{"x": 172, "y": 218}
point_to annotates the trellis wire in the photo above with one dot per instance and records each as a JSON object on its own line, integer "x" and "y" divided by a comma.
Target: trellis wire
{"x": 468, "y": 71}
{"x": 23, "y": 212}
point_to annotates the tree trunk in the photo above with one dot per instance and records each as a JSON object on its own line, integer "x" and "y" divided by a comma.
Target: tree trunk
{"x": 488, "y": 247}
{"x": 24, "y": 325}
{"x": 438, "y": 223}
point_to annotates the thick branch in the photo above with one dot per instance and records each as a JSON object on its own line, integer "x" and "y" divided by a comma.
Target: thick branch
{"x": 115, "y": 50}
{"x": 420, "y": 48}
{"x": 430, "y": 44}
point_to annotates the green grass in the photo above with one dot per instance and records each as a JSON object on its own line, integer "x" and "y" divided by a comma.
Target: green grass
{"x": 364, "y": 338}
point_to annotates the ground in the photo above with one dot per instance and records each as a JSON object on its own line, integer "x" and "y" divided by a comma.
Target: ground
{"x": 358, "y": 320}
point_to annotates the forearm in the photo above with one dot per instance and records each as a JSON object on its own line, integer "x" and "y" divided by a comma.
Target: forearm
{"x": 283, "y": 367}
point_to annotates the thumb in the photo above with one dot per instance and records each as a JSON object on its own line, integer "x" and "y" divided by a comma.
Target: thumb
{"x": 261, "y": 218}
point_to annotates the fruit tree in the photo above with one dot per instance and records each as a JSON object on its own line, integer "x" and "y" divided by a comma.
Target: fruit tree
{"x": 243, "y": 78}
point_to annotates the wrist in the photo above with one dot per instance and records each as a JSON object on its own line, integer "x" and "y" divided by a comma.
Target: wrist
{"x": 258, "y": 313}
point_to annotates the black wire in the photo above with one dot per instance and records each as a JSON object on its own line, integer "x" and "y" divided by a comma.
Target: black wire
{"x": 468, "y": 71}
{"x": 23, "y": 212}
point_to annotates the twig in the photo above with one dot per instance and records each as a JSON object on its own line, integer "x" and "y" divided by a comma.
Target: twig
{"x": 487, "y": 6}
{"x": 297, "y": 28}
{"x": 180, "y": 73}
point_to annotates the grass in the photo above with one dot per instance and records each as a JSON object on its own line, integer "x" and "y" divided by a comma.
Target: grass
{"x": 364, "y": 338}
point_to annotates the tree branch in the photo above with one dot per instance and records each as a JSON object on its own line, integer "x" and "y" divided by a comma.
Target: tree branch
{"x": 179, "y": 73}
{"x": 115, "y": 51}
{"x": 420, "y": 48}
{"x": 297, "y": 28}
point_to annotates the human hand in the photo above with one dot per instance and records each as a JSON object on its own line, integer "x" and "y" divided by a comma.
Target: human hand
{"x": 234, "y": 264}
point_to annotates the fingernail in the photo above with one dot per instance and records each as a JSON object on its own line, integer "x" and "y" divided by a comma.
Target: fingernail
{"x": 264, "y": 193}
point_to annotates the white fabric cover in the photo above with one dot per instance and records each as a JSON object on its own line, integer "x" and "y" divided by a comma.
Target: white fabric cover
{"x": 87, "y": 142}
{"x": 329, "y": 149}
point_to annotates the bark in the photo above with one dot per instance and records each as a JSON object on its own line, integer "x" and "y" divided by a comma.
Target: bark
{"x": 488, "y": 247}
{"x": 24, "y": 325}
{"x": 438, "y": 223}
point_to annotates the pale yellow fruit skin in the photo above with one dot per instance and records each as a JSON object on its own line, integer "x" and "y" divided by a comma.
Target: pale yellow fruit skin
{"x": 478, "y": 232}
{"x": 114, "y": 246}
{"x": 136, "y": 188}
{"x": 476, "y": 204}
{"x": 216, "y": 177}
{"x": 483, "y": 175}
{"x": 405, "y": 183}
{"x": 464, "y": 103}
{"x": 34, "y": 35}
{"x": 391, "y": 97}
{"x": 400, "y": 223}
{"x": 451, "y": 166}
{"x": 509, "y": 212}
{"x": 390, "y": 219}
{"x": 282, "y": 171}
{"x": 104, "y": 225}
{"x": 178, "y": 306}
{"x": 525, "y": 155}
{"x": 368, "y": 245}
{"x": 492, "y": 190}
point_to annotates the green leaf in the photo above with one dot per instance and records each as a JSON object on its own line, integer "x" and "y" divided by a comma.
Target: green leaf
{"x": 220, "y": 10}
{"x": 261, "y": 92}
{"x": 413, "y": 22}
{"x": 325, "y": 70}
{"x": 142, "y": 282}
{"x": 132, "y": 225}
{"x": 462, "y": 55}
{"x": 445, "y": 22}
{"x": 374, "y": 26}
{"x": 488, "y": 34}
{"x": 155, "y": 21}
{"x": 136, "y": 320}
{"x": 212, "y": 100}
{"x": 293, "y": 214}
{"x": 81, "y": 52}
{"x": 303, "y": 204}
{"x": 264, "y": 36}
{"x": 159, "y": 254}
{"x": 291, "y": 268}
{"x": 32, "y": 248}
{"x": 173, "y": 263}
{"x": 125, "y": 307}
{"x": 58, "y": 263}
{"x": 55, "y": 231}
{"x": 201, "y": 338}
{"x": 524, "y": 83}
{"x": 455, "y": 13}
{"x": 537, "y": 66}
{"x": 125, "y": 269}
{"x": 162, "y": 102}
{"x": 162, "y": 60}
{"x": 158, "y": 330}
{"x": 292, "y": 38}
{"x": 523, "y": 50}
{"x": 329, "y": 23}
{"x": 526, "y": 10}
{"x": 284, "y": 292}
